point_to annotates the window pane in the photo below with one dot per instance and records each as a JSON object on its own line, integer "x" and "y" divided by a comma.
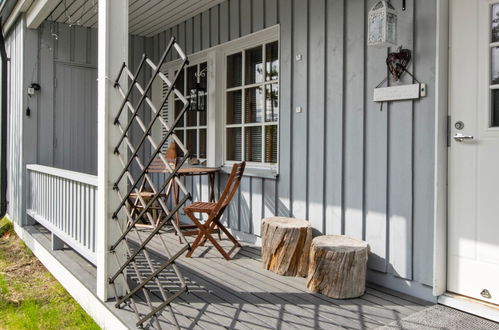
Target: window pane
{"x": 191, "y": 142}
{"x": 272, "y": 61}
{"x": 271, "y": 144}
{"x": 254, "y": 65}
{"x": 191, "y": 78}
{"x": 234, "y": 149}
{"x": 234, "y": 107}
{"x": 494, "y": 65}
{"x": 192, "y": 118}
{"x": 272, "y": 102}
{"x": 203, "y": 77}
{"x": 234, "y": 70}
{"x": 253, "y": 144}
{"x": 494, "y": 108}
{"x": 495, "y": 23}
{"x": 254, "y": 105}
{"x": 178, "y": 107}
{"x": 180, "y": 82}
{"x": 202, "y": 143}
{"x": 180, "y": 135}
{"x": 202, "y": 115}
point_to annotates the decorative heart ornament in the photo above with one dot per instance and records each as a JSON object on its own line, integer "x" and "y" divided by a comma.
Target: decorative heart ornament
{"x": 397, "y": 62}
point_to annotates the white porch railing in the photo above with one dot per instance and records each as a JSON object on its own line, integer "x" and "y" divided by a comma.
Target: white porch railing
{"x": 64, "y": 202}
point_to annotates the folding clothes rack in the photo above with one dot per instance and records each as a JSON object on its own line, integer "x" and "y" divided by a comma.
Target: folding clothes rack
{"x": 147, "y": 279}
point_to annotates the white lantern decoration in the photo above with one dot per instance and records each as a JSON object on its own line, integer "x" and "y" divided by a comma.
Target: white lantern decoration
{"x": 382, "y": 25}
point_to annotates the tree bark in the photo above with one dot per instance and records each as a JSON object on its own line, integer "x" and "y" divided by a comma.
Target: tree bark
{"x": 286, "y": 245}
{"x": 338, "y": 266}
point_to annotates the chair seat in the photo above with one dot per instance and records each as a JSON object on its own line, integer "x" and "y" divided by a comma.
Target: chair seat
{"x": 203, "y": 207}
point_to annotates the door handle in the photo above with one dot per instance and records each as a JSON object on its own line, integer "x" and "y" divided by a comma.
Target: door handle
{"x": 461, "y": 138}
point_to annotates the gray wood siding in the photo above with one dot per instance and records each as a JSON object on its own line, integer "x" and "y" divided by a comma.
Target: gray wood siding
{"x": 15, "y": 51}
{"x": 345, "y": 165}
{"x": 67, "y": 118}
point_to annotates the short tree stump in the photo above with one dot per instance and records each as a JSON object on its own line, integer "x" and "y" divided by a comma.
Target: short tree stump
{"x": 286, "y": 245}
{"x": 338, "y": 266}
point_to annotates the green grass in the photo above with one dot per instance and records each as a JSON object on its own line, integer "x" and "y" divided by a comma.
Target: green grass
{"x": 30, "y": 297}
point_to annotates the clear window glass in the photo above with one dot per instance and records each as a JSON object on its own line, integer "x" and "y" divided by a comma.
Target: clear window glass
{"x": 272, "y": 61}
{"x": 234, "y": 70}
{"x": 192, "y": 128}
{"x": 252, "y": 105}
{"x": 234, "y": 139}
{"x": 254, "y": 65}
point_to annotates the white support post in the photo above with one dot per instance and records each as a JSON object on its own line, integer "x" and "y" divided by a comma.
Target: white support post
{"x": 112, "y": 52}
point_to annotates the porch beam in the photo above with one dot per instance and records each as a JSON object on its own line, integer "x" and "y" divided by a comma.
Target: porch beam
{"x": 39, "y": 11}
{"x": 112, "y": 53}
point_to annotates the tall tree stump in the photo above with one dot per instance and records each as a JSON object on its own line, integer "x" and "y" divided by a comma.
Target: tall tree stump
{"x": 338, "y": 266}
{"x": 286, "y": 245}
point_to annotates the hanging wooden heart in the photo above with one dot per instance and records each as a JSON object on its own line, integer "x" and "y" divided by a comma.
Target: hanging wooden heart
{"x": 397, "y": 62}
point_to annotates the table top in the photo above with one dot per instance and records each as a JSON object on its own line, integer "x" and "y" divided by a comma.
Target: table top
{"x": 157, "y": 166}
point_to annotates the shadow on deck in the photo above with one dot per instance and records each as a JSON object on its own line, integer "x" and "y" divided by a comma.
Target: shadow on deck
{"x": 239, "y": 294}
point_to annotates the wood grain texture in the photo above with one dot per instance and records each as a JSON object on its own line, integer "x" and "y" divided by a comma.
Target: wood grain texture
{"x": 338, "y": 266}
{"x": 285, "y": 245}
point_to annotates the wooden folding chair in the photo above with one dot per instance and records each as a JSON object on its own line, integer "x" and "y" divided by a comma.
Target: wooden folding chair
{"x": 215, "y": 211}
{"x": 155, "y": 213}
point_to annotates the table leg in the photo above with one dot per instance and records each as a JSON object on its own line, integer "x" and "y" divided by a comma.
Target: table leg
{"x": 211, "y": 177}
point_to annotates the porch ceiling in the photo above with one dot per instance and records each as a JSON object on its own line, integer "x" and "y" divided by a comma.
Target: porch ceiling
{"x": 146, "y": 17}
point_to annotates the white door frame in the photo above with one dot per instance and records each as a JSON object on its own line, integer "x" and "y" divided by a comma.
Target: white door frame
{"x": 442, "y": 112}
{"x": 441, "y": 164}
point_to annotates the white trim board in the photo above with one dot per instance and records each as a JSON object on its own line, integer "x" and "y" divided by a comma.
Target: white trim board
{"x": 440, "y": 170}
{"x": 470, "y": 306}
{"x": 85, "y": 298}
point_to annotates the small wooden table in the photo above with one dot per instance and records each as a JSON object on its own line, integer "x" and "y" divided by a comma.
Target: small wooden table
{"x": 157, "y": 166}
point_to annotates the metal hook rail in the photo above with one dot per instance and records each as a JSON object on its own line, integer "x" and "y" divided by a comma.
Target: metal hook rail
{"x": 147, "y": 280}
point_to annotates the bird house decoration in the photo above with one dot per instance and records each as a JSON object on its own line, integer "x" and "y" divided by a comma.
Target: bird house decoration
{"x": 382, "y": 25}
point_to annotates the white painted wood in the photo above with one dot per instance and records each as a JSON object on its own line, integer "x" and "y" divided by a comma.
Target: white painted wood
{"x": 440, "y": 174}
{"x": 69, "y": 216}
{"x": 20, "y": 7}
{"x": 84, "y": 296}
{"x": 398, "y": 93}
{"x": 112, "y": 52}
{"x": 473, "y": 246}
{"x": 470, "y": 306}
{"x": 70, "y": 175}
{"x": 39, "y": 11}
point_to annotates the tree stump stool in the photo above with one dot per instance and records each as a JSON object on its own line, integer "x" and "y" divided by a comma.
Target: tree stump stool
{"x": 338, "y": 266}
{"x": 286, "y": 245}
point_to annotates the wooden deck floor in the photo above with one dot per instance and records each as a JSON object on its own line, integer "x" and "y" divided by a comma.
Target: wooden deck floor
{"x": 239, "y": 294}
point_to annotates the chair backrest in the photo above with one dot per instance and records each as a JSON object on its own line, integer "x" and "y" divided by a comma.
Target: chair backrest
{"x": 231, "y": 187}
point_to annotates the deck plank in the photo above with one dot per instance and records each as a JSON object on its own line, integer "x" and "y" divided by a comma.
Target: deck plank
{"x": 372, "y": 311}
{"x": 240, "y": 294}
{"x": 300, "y": 303}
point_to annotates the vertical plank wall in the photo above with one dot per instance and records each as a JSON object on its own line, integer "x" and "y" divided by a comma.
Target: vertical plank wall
{"x": 346, "y": 166}
{"x": 67, "y": 119}
{"x": 15, "y": 50}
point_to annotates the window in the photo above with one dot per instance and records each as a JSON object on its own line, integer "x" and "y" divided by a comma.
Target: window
{"x": 252, "y": 104}
{"x": 192, "y": 129}
{"x": 241, "y": 78}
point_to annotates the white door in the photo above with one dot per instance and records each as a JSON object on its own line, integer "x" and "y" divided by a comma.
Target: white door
{"x": 473, "y": 237}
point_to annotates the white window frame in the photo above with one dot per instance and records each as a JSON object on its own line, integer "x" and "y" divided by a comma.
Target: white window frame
{"x": 169, "y": 69}
{"x": 216, "y": 115}
{"x": 243, "y": 88}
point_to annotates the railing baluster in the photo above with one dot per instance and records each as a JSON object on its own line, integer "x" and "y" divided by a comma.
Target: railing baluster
{"x": 64, "y": 202}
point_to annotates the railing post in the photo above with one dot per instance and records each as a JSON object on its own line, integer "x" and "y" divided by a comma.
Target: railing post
{"x": 112, "y": 53}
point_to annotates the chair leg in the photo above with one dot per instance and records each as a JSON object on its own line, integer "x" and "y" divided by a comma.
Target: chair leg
{"x": 205, "y": 231}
